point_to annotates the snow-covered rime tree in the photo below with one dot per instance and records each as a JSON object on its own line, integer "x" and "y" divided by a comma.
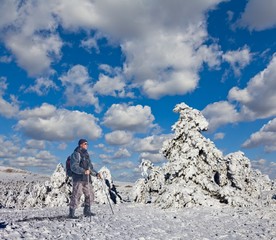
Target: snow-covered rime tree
{"x": 197, "y": 173}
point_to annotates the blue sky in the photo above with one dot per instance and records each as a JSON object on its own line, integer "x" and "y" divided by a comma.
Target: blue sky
{"x": 112, "y": 72}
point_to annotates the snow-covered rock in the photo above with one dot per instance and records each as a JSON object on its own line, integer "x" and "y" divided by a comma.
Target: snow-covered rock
{"x": 197, "y": 173}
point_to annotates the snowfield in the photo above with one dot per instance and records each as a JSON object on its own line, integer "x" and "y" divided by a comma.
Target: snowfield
{"x": 138, "y": 221}
{"x": 134, "y": 220}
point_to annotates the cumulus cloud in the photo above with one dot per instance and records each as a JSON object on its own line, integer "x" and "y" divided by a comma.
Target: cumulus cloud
{"x": 238, "y": 59}
{"x": 26, "y": 155}
{"x": 153, "y": 157}
{"x": 266, "y": 137}
{"x": 8, "y": 12}
{"x": 131, "y": 118}
{"x": 162, "y": 47}
{"x": 42, "y": 159}
{"x": 29, "y": 31}
{"x": 49, "y": 123}
{"x": 7, "y": 109}
{"x": 219, "y": 136}
{"x": 220, "y": 113}
{"x": 123, "y": 165}
{"x": 258, "y": 99}
{"x": 259, "y": 15}
{"x": 35, "y": 144}
{"x": 42, "y": 86}
{"x": 78, "y": 87}
{"x": 110, "y": 86}
{"x": 8, "y": 149}
{"x": 118, "y": 137}
{"x": 111, "y": 82}
{"x": 62, "y": 146}
{"x": 167, "y": 62}
{"x": 121, "y": 153}
{"x": 35, "y": 53}
{"x": 90, "y": 43}
{"x": 265, "y": 166}
{"x": 164, "y": 43}
{"x": 151, "y": 144}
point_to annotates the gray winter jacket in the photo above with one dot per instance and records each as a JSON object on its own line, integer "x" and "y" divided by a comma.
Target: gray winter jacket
{"x": 79, "y": 162}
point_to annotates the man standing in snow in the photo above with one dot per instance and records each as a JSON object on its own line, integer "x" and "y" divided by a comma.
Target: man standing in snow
{"x": 81, "y": 167}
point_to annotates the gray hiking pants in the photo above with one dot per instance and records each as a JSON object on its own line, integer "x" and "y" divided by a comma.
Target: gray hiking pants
{"x": 80, "y": 187}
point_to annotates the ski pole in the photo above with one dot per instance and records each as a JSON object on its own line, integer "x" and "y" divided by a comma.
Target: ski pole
{"x": 107, "y": 196}
{"x": 89, "y": 190}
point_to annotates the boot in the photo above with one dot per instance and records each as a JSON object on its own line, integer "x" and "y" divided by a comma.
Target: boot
{"x": 87, "y": 212}
{"x": 72, "y": 214}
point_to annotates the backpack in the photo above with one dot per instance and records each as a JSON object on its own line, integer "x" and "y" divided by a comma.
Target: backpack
{"x": 69, "y": 172}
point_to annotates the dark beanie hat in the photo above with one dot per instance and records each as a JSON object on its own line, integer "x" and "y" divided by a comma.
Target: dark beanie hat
{"x": 81, "y": 141}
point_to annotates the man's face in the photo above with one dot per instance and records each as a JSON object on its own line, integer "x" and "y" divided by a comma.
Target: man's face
{"x": 84, "y": 145}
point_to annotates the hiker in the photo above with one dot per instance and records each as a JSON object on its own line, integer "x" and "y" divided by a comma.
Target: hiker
{"x": 82, "y": 168}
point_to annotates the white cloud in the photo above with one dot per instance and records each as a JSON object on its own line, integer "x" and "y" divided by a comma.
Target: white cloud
{"x": 153, "y": 157}
{"x": 62, "y": 146}
{"x": 105, "y": 157}
{"x": 219, "y": 136}
{"x": 29, "y": 32}
{"x": 79, "y": 87}
{"x": 41, "y": 112}
{"x": 167, "y": 62}
{"x": 131, "y": 118}
{"x": 110, "y": 86}
{"x": 32, "y": 155}
{"x": 3, "y": 85}
{"x": 112, "y": 83}
{"x": 220, "y": 113}
{"x": 163, "y": 45}
{"x": 77, "y": 75}
{"x": 35, "y": 144}
{"x": 78, "y": 14}
{"x": 90, "y": 43}
{"x": 238, "y": 59}
{"x": 266, "y": 137}
{"x": 8, "y": 12}
{"x": 118, "y": 137}
{"x": 48, "y": 123}
{"x": 42, "y": 159}
{"x": 259, "y": 15}
{"x": 123, "y": 165}
{"x": 5, "y": 59}
{"x": 104, "y": 147}
{"x": 151, "y": 144}
{"x": 35, "y": 53}
{"x": 121, "y": 153}
{"x": 265, "y": 166}
{"x": 163, "y": 42}
{"x": 258, "y": 99}
{"x": 42, "y": 86}
{"x": 7, "y": 109}
{"x": 8, "y": 148}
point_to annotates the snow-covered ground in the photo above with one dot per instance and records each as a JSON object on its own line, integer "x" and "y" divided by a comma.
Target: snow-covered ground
{"x": 9, "y": 174}
{"x": 132, "y": 220}
{"x": 137, "y": 221}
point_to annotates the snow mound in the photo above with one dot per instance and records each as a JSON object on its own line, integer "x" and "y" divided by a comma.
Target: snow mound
{"x": 53, "y": 192}
{"x": 197, "y": 173}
